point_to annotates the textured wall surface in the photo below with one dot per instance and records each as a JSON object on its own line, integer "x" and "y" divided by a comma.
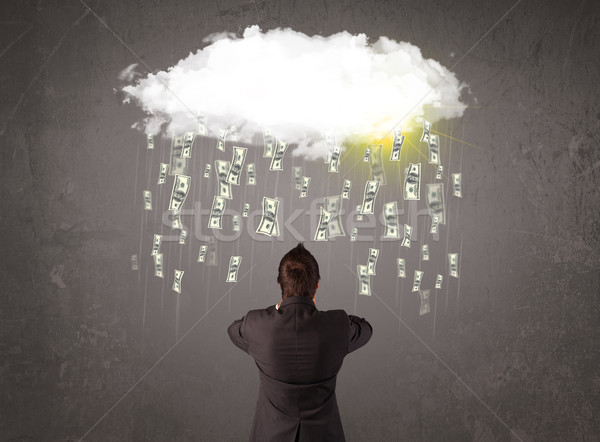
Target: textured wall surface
{"x": 90, "y": 348}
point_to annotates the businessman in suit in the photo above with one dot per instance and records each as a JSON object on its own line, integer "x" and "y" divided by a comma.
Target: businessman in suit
{"x": 299, "y": 351}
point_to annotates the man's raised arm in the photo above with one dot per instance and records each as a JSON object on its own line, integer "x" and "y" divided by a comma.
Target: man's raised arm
{"x": 236, "y": 334}
{"x": 359, "y": 334}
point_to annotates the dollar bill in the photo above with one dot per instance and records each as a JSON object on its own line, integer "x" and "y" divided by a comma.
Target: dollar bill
{"x": 364, "y": 280}
{"x": 397, "y": 146}
{"x": 268, "y": 221}
{"x": 277, "y": 160}
{"x": 333, "y": 205}
{"x": 207, "y": 171}
{"x": 215, "y": 220}
{"x": 435, "y": 201}
{"x": 401, "y": 267}
{"x": 236, "y": 223}
{"x": 424, "y": 295}
{"x": 376, "y": 163}
{"x": 322, "y": 233}
{"x": 178, "y": 164}
{"x": 246, "y": 210}
{"x": 353, "y": 234}
{"x": 147, "y": 200}
{"x": 176, "y": 221}
{"x": 346, "y": 189}
{"x": 298, "y": 177}
{"x": 305, "y": 184}
{"x": 372, "y": 262}
{"x": 182, "y": 236}
{"x": 456, "y": 182}
{"x": 426, "y": 130}
{"x": 425, "y": 252}
{"x": 368, "y": 204}
{"x": 134, "y": 262}
{"x": 438, "y": 174}
{"x": 269, "y": 141}
{"x": 434, "y": 149}
{"x": 221, "y": 140}
{"x": 222, "y": 170}
{"x": 251, "y": 175}
{"x": 202, "y": 124}
{"x": 177, "y": 280}
{"x": 359, "y": 216}
{"x": 202, "y": 253}
{"x": 158, "y": 265}
{"x": 412, "y": 182}
{"x": 330, "y": 143}
{"x": 334, "y": 161}
{"x": 156, "y": 244}
{"x": 150, "y": 141}
{"x": 435, "y": 221}
{"x": 390, "y": 213}
{"x": 234, "y": 267}
{"x": 407, "y": 236}
{"x": 453, "y": 264}
{"x": 367, "y": 155}
{"x": 417, "y": 281}
{"x": 237, "y": 164}
{"x": 162, "y": 174}
{"x": 438, "y": 281}
{"x": 181, "y": 188}
{"x": 188, "y": 142}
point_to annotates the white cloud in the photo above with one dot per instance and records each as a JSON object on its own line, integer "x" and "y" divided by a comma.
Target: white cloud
{"x": 299, "y": 86}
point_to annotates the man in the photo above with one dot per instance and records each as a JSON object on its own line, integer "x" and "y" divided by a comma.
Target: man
{"x": 299, "y": 351}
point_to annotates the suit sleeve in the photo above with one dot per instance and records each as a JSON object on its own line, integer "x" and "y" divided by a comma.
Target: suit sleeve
{"x": 359, "y": 334}
{"x": 236, "y": 334}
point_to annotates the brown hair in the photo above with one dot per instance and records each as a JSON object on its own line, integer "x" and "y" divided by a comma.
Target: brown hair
{"x": 298, "y": 273}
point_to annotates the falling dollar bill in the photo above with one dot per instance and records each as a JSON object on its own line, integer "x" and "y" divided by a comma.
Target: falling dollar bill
{"x": 368, "y": 205}
{"x": 390, "y": 213}
{"x": 181, "y": 188}
{"x": 417, "y": 281}
{"x": 176, "y": 221}
{"x": 305, "y": 184}
{"x": 353, "y": 234}
{"x": 234, "y": 267}
{"x": 177, "y": 280}
{"x": 322, "y": 232}
{"x": 359, "y": 216}
{"x": 372, "y": 262}
{"x": 221, "y": 139}
{"x": 346, "y": 189}
{"x": 178, "y": 164}
{"x": 188, "y": 142}
{"x": 434, "y": 149}
{"x": 367, "y": 155}
{"x": 412, "y": 182}
{"x": 334, "y": 161}
{"x": 424, "y": 295}
{"x": 182, "y": 236}
{"x": 202, "y": 253}
{"x": 298, "y": 177}
{"x": 162, "y": 174}
{"x": 268, "y": 221}
{"x": 250, "y": 175}
{"x": 453, "y": 264}
{"x": 330, "y": 143}
{"x": 376, "y": 163}
{"x": 397, "y": 146}
{"x": 426, "y": 130}
{"x": 407, "y": 236}
{"x": 158, "y": 265}
{"x": 222, "y": 170}
{"x": 236, "y": 223}
{"x": 237, "y": 164}
{"x": 435, "y": 221}
{"x": 456, "y": 182}
{"x": 150, "y": 141}
{"x": 156, "y": 244}
{"x": 207, "y": 171}
{"x": 147, "y": 200}
{"x": 246, "y": 210}
{"x": 364, "y": 280}
{"x": 425, "y": 252}
{"x": 134, "y": 262}
{"x": 269, "y": 144}
{"x": 277, "y": 160}
{"x": 401, "y": 267}
{"x": 202, "y": 124}
{"x": 438, "y": 174}
{"x": 438, "y": 281}
{"x": 215, "y": 220}
{"x": 333, "y": 205}
{"x": 435, "y": 202}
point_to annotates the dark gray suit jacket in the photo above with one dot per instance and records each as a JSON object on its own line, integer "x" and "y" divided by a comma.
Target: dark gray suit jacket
{"x": 299, "y": 351}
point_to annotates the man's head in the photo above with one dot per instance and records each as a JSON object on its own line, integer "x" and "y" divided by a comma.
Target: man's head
{"x": 298, "y": 273}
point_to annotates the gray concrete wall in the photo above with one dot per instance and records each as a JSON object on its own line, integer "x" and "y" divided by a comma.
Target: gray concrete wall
{"x": 89, "y": 347}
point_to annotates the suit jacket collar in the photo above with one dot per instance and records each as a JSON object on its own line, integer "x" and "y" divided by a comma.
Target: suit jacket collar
{"x": 297, "y": 300}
